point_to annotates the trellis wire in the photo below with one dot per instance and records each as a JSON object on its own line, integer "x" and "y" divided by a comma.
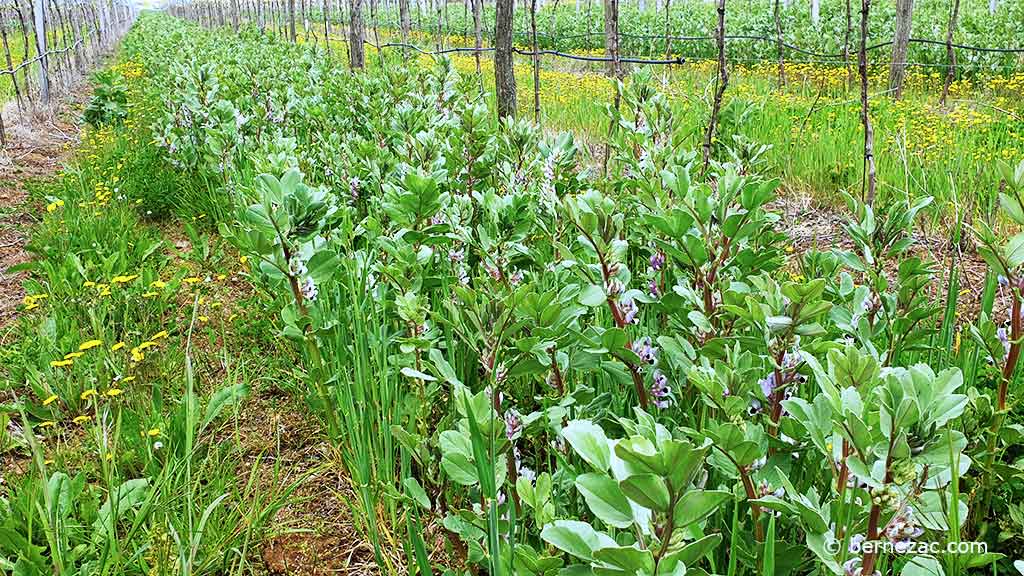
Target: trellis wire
{"x": 67, "y": 38}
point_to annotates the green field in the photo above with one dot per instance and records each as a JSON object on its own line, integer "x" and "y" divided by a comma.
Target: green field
{"x": 283, "y": 317}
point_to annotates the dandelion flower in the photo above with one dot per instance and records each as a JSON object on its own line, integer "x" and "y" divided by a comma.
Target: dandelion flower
{"x": 114, "y": 392}
{"x": 159, "y": 335}
{"x": 123, "y": 279}
{"x": 153, "y": 432}
{"x": 90, "y": 344}
{"x": 61, "y": 363}
{"x": 50, "y": 400}
{"x": 158, "y": 284}
{"x": 47, "y": 424}
{"x": 192, "y": 280}
{"x": 82, "y": 419}
{"x": 118, "y": 346}
{"x": 86, "y": 394}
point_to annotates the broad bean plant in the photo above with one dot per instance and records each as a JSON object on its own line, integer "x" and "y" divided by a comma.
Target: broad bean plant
{"x": 553, "y": 361}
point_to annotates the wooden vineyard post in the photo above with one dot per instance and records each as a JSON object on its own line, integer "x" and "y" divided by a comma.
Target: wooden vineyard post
{"x": 901, "y": 40}
{"x": 305, "y": 22}
{"x": 536, "y": 62}
{"x": 40, "y": 34}
{"x": 846, "y": 46}
{"x": 327, "y": 29}
{"x": 950, "y": 53}
{"x": 722, "y": 81}
{"x": 374, "y": 9}
{"x": 779, "y": 40}
{"x": 478, "y": 39}
{"x": 24, "y": 50}
{"x": 356, "y": 50}
{"x": 504, "y": 78}
{"x": 291, "y": 20}
{"x": 611, "y": 37}
{"x": 668, "y": 34}
{"x": 403, "y": 18}
{"x": 868, "y": 187}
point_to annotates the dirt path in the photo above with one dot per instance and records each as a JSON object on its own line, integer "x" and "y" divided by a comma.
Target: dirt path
{"x": 37, "y": 147}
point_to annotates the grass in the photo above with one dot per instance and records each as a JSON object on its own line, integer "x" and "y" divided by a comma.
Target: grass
{"x": 440, "y": 314}
{"x": 811, "y": 125}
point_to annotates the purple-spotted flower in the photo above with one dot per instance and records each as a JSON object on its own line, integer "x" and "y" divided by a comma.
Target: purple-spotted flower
{"x": 353, "y": 189}
{"x": 614, "y": 287}
{"x": 513, "y": 423}
{"x": 652, "y": 288}
{"x": 657, "y": 260}
{"x": 309, "y": 289}
{"x": 903, "y": 529}
{"x": 629, "y": 311}
{"x": 646, "y": 350}
{"x": 660, "y": 390}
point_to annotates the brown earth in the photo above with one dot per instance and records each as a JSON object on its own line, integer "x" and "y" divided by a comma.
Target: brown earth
{"x": 38, "y": 144}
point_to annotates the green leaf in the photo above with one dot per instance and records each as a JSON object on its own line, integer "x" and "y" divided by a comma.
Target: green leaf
{"x": 416, "y": 492}
{"x": 696, "y": 505}
{"x": 589, "y": 442}
{"x": 223, "y": 398}
{"x": 592, "y": 296}
{"x": 578, "y": 539}
{"x": 459, "y": 468}
{"x": 647, "y": 490}
{"x": 631, "y": 559}
{"x": 923, "y": 566}
{"x": 689, "y": 554}
{"x": 605, "y": 499}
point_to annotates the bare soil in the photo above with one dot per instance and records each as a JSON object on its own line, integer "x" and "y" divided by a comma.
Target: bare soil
{"x": 38, "y": 144}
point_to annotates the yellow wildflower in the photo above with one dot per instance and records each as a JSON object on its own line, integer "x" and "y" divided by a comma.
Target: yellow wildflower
{"x": 123, "y": 279}
{"x": 118, "y": 346}
{"x": 90, "y": 344}
{"x": 153, "y": 432}
{"x": 61, "y": 363}
{"x": 114, "y": 392}
{"x": 86, "y": 394}
{"x": 47, "y": 424}
{"x": 192, "y": 280}
{"x": 50, "y": 400}
{"x": 159, "y": 335}
{"x": 158, "y": 284}
{"x": 73, "y": 355}
{"x": 82, "y": 419}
